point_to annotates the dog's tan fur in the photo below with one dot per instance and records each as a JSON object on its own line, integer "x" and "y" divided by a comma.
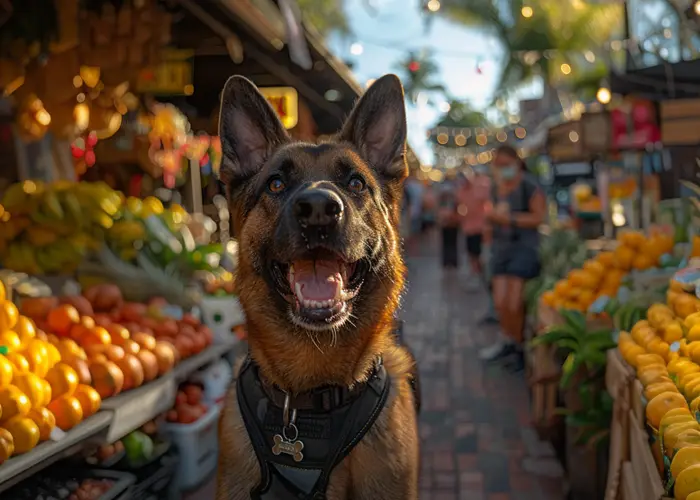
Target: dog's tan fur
{"x": 384, "y": 465}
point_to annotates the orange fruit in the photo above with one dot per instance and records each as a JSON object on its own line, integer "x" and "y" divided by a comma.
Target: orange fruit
{"x": 687, "y": 483}
{"x": 7, "y": 445}
{"x": 26, "y": 329}
{"x": 25, "y": 433}
{"x": 89, "y": 398}
{"x": 8, "y": 315}
{"x": 37, "y": 356}
{"x": 624, "y": 256}
{"x": 69, "y": 348}
{"x": 62, "y": 318}
{"x": 657, "y": 407}
{"x": 45, "y": 420}
{"x": 13, "y": 402}
{"x": 107, "y": 378}
{"x": 10, "y": 340}
{"x": 561, "y": 288}
{"x": 606, "y": 258}
{"x": 3, "y": 292}
{"x": 67, "y": 410}
{"x": 653, "y": 390}
{"x": 63, "y": 380}
{"x": 32, "y": 386}
{"x": 6, "y": 370}
{"x": 95, "y": 336}
{"x": 685, "y": 305}
{"x": 47, "y": 392}
{"x": 53, "y": 354}
{"x": 19, "y": 362}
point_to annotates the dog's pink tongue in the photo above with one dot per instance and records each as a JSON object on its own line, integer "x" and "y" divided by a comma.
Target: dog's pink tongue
{"x": 318, "y": 280}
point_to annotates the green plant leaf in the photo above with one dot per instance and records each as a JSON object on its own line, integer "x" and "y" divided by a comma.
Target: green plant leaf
{"x": 576, "y": 320}
{"x": 570, "y": 367}
{"x": 552, "y": 335}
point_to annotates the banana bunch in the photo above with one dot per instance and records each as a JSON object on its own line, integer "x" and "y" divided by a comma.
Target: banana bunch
{"x": 49, "y": 228}
{"x": 126, "y": 238}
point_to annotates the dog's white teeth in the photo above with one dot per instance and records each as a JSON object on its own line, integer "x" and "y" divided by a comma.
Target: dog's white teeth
{"x": 297, "y": 290}
{"x": 317, "y": 304}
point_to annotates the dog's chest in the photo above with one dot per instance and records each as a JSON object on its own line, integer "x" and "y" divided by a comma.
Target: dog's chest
{"x": 300, "y": 451}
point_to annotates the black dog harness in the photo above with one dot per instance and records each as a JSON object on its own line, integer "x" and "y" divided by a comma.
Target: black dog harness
{"x": 300, "y": 440}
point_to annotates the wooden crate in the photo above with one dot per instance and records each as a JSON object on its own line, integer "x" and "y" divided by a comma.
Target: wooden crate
{"x": 680, "y": 122}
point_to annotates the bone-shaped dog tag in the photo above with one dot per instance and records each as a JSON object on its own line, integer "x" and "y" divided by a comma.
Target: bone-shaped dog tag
{"x": 287, "y": 447}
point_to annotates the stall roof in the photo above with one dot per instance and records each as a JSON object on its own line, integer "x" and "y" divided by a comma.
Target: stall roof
{"x": 265, "y": 65}
{"x": 664, "y": 81}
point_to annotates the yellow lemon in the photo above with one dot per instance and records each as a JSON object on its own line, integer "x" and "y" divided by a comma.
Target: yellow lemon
{"x": 684, "y": 458}
{"x": 687, "y": 482}
{"x": 672, "y": 332}
{"x": 691, "y": 320}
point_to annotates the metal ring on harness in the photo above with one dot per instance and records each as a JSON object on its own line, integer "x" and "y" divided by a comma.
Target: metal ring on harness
{"x": 285, "y": 412}
{"x": 293, "y": 428}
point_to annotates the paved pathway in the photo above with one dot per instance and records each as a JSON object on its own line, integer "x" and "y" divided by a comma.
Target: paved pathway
{"x": 477, "y": 442}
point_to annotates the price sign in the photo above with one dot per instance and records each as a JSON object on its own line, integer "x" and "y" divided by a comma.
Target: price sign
{"x": 173, "y": 76}
{"x": 285, "y": 101}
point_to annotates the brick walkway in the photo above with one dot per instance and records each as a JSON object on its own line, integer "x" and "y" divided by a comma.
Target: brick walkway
{"x": 477, "y": 443}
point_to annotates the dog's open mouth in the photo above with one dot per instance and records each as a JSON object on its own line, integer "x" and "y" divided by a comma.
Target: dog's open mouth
{"x": 322, "y": 290}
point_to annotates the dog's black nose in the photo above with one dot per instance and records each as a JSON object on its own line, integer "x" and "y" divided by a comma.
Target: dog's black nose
{"x": 318, "y": 207}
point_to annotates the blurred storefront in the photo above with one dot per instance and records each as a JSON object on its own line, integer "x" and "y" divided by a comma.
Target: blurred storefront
{"x": 129, "y": 92}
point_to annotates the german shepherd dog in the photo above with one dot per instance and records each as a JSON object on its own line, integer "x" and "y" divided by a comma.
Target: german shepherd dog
{"x": 323, "y": 406}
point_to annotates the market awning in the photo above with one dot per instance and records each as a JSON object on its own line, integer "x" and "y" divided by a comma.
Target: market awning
{"x": 664, "y": 81}
{"x": 212, "y": 27}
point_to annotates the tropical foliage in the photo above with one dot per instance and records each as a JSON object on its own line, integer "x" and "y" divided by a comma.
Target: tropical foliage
{"x": 528, "y": 30}
{"x": 418, "y": 73}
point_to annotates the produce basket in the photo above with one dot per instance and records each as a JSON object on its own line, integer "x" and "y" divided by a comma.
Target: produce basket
{"x": 157, "y": 479}
{"x": 198, "y": 446}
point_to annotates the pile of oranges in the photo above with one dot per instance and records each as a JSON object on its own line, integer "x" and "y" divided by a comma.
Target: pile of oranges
{"x": 38, "y": 391}
{"x": 671, "y": 380}
{"x": 603, "y": 274}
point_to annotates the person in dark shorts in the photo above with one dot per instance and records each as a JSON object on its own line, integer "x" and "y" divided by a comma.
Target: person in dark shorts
{"x": 518, "y": 209}
{"x": 449, "y": 223}
{"x": 474, "y": 199}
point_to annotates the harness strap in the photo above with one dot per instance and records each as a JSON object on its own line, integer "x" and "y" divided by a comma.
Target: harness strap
{"x": 329, "y": 436}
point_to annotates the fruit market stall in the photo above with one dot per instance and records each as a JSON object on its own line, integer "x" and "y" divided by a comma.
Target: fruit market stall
{"x": 107, "y": 310}
{"x": 578, "y": 312}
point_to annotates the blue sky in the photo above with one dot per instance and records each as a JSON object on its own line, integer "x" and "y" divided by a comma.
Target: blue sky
{"x": 457, "y": 50}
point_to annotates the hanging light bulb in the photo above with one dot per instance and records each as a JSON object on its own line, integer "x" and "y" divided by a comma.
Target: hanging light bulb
{"x": 696, "y": 7}
{"x": 565, "y": 68}
{"x": 603, "y": 95}
{"x": 527, "y": 11}
{"x": 434, "y": 5}
{"x": 357, "y": 49}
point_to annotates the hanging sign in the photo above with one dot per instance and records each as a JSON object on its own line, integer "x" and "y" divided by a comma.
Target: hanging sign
{"x": 636, "y": 127}
{"x": 173, "y": 76}
{"x": 285, "y": 101}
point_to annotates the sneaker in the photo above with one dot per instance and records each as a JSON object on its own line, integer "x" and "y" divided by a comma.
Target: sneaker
{"x": 516, "y": 363}
{"x": 496, "y": 351}
{"x": 489, "y": 319}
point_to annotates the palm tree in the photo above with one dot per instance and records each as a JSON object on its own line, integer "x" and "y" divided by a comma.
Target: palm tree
{"x": 530, "y": 29}
{"x": 419, "y": 71}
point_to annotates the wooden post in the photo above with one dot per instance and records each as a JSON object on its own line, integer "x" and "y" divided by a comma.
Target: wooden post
{"x": 193, "y": 188}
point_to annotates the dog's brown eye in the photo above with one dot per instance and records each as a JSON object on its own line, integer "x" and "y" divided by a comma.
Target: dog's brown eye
{"x": 275, "y": 185}
{"x": 356, "y": 184}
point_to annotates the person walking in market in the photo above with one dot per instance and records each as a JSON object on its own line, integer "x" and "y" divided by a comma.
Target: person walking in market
{"x": 449, "y": 223}
{"x": 474, "y": 198}
{"x": 518, "y": 209}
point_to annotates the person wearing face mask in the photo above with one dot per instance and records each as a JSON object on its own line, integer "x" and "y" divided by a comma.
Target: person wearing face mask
{"x": 518, "y": 209}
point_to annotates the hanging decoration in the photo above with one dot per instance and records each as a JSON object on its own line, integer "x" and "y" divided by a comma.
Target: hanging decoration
{"x": 420, "y": 71}
{"x": 169, "y": 130}
{"x": 83, "y": 151}
{"x": 77, "y": 57}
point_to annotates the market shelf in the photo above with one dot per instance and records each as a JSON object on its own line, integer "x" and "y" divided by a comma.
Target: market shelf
{"x": 215, "y": 351}
{"x": 134, "y": 408}
{"x": 21, "y": 467}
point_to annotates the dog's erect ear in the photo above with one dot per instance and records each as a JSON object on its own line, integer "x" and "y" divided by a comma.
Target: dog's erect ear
{"x": 249, "y": 129}
{"x": 377, "y": 126}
